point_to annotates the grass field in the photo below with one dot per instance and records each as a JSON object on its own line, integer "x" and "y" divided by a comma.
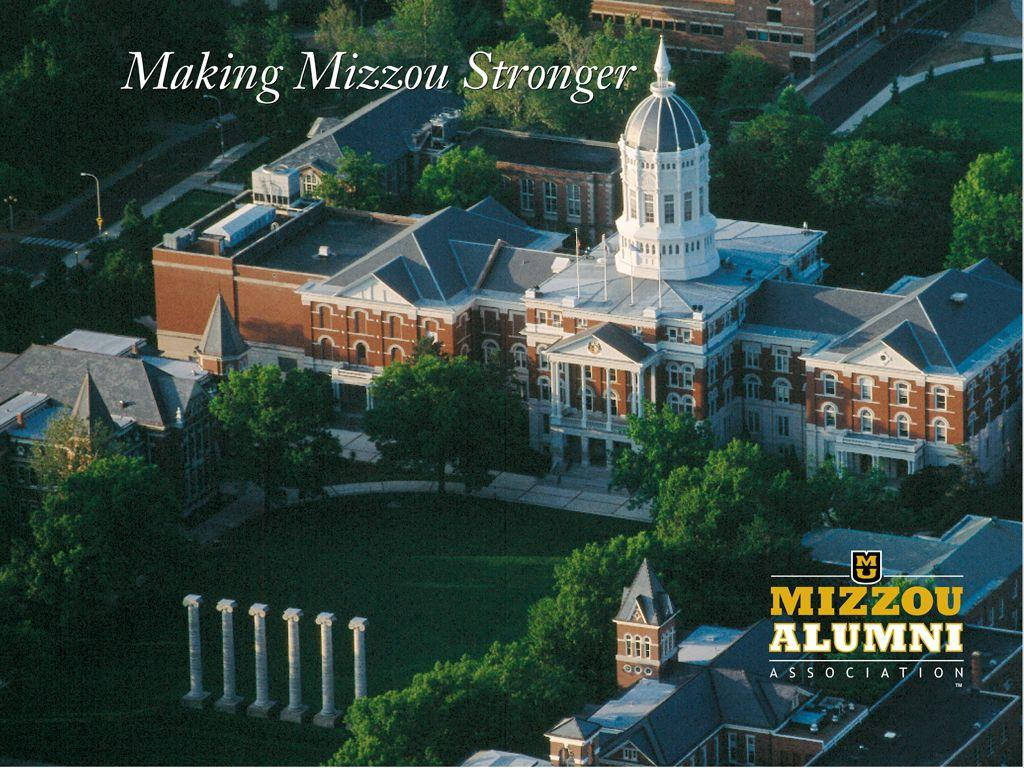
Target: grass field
{"x": 189, "y": 207}
{"x": 985, "y": 98}
{"x": 437, "y": 578}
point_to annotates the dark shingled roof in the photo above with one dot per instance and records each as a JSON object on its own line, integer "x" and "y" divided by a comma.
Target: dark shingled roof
{"x": 89, "y": 406}
{"x": 614, "y": 336}
{"x": 383, "y": 128}
{"x": 574, "y": 728}
{"x": 545, "y": 151}
{"x": 647, "y": 592}
{"x": 815, "y": 308}
{"x": 221, "y": 338}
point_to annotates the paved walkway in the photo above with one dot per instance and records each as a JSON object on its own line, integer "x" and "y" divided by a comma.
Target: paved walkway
{"x": 996, "y": 41}
{"x": 909, "y": 81}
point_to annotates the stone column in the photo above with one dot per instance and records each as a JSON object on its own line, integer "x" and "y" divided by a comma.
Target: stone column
{"x": 196, "y": 696}
{"x": 230, "y": 701}
{"x": 328, "y": 715}
{"x": 608, "y": 398}
{"x": 263, "y": 706}
{"x": 556, "y": 404}
{"x": 295, "y": 711}
{"x": 654, "y": 384}
{"x": 583, "y": 396}
{"x": 358, "y": 627}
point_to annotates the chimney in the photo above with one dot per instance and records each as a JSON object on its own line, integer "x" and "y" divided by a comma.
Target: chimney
{"x": 958, "y": 298}
{"x": 976, "y": 673}
{"x": 20, "y": 419}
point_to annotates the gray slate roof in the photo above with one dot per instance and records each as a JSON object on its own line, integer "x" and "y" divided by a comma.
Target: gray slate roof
{"x": 616, "y": 337}
{"x": 647, "y": 592}
{"x": 221, "y": 338}
{"x": 814, "y": 308}
{"x": 383, "y": 128}
{"x": 90, "y": 408}
{"x": 545, "y": 151}
{"x": 574, "y": 728}
{"x": 984, "y": 550}
{"x": 151, "y": 396}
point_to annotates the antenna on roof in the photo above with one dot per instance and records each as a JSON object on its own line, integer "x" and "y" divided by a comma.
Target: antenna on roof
{"x": 577, "y": 231}
{"x": 604, "y": 245}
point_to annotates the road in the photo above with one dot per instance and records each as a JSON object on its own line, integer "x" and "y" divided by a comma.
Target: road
{"x": 851, "y": 93}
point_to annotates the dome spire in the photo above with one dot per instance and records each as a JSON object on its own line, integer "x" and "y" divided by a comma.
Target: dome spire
{"x": 662, "y": 67}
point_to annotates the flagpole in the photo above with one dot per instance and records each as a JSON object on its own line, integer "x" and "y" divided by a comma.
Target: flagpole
{"x": 577, "y": 230}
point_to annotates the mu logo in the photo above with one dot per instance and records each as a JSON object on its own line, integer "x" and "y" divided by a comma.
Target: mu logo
{"x": 866, "y": 566}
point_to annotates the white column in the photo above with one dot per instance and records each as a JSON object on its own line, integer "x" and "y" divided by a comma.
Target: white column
{"x": 230, "y": 701}
{"x": 328, "y": 715}
{"x": 358, "y": 626}
{"x": 262, "y": 706}
{"x": 556, "y": 402}
{"x": 295, "y": 711}
{"x": 608, "y": 399}
{"x": 640, "y": 394}
{"x": 583, "y": 395}
{"x": 654, "y": 384}
{"x": 196, "y": 696}
{"x": 633, "y": 393}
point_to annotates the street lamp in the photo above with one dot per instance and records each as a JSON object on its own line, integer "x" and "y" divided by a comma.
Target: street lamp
{"x": 11, "y": 200}
{"x": 220, "y": 118}
{"x": 99, "y": 210}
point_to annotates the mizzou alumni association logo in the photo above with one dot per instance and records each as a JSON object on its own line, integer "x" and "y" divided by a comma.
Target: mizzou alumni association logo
{"x": 866, "y": 566}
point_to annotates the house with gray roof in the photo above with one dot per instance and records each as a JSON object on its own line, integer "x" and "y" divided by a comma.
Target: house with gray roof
{"x": 152, "y": 406}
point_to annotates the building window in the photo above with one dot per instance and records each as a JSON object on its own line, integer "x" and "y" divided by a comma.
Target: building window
{"x": 674, "y": 379}
{"x": 902, "y": 425}
{"x": 647, "y": 647}
{"x": 972, "y": 391}
{"x": 631, "y": 202}
{"x": 972, "y": 425}
{"x": 526, "y": 195}
{"x": 630, "y": 754}
{"x": 864, "y": 388}
{"x": 687, "y": 206}
{"x": 867, "y": 420}
{"x": 648, "y": 208}
{"x": 902, "y": 393}
{"x": 940, "y": 430}
{"x": 700, "y": 195}
{"x": 751, "y": 357}
{"x": 753, "y": 422}
{"x": 829, "y": 412}
{"x": 550, "y": 199}
{"x": 613, "y": 404}
{"x": 828, "y": 384}
{"x": 687, "y": 377}
{"x": 361, "y": 353}
{"x": 358, "y": 322}
{"x": 519, "y": 356}
{"x": 629, "y": 645}
{"x": 430, "y": 330}
{"x": 588, "y": 399}
{"x": 395, "y": 354}
{"x": 782, "y": 426}
{"x": 572, "y": 201}
{"x": 940, "y": 398}
{"x": 670, "y": 209}
{"x": 773, "y": 15}
{"x": 750, "y": 749}
{"x": 556, "y": 318}
{"x": 733, "y": 757}
{"x": 782, "y": 388}
{"x": 544, "y": 388}
{"x": 752, "y": 388}
{"x": 781, "y": 355}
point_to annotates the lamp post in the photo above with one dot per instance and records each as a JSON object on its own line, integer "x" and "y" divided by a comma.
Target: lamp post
{"x": 11, "y": 200}
{"x": 220, "y": 118}
{"x": 99, "y": 209}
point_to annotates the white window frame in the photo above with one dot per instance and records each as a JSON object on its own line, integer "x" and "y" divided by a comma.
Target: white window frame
{"x": 550, "y": 199}
{"x": 829, "y": 381}
{"x": 490, "y": 351}
{"x": 901, "y": 390}
{"x": 519, "y": 357}
{"x": 864, "y": 386}
{"x": 902, "y": 425}
{"x": 940, "y": 398}
{"x": 940, "y": 431}
{"x": 752, "y": 387}
{"x": 782, "y": 389}
{"x": 573, "y": 201}
{"x": 870, "y": 423}
{"x": 526, "y": 190}
{"x": 830, "y": 414}
{"x": 668, "y": 208}
{"x": 781, "y": 359}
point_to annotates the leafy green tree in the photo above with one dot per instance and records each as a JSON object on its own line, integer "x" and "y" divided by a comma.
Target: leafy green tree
{"x": 274, "y": 428}
{"x": 792, "y": 101}
{"x": 664, "y": 440}
{"x": 748, "y": 80}
{"x": 358, "y": 182}
{"x": 986, "y": 208}
{"x": 338, "y": 29}
{"x": 68, "y": 446}
{"x": 459, "y": 177}
{"x": 425, "y": 32}
{"x": 502, "y": 700}
{"x": 105, "y": 537}
{"x": 531, "y": 17}
{"x": 855, "y": 501}
{"x": 421, "y": 409}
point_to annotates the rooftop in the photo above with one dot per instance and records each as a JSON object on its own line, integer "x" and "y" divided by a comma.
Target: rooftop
{"x": 705, "y": 643}
{"x": 543, "y": 150}
{"x": 497, "y": 757}
{"x": 102, "y": 343}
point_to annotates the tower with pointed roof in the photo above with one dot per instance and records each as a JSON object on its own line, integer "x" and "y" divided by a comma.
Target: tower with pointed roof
{"x": 666, "y": 230}
{"x": 89, "y": 407}
{"x": 221, "y": 348}
{"x": 645, "y": 629}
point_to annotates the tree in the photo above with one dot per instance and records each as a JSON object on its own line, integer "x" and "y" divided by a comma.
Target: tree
{"x": 855, "y": 501}
{"x": 986, "y": 208}
{"x": 69, "y": 445}
{"x": 105, "y": 537}
{"x": 664, "y": 440}
{"x": 424, "y": 32}
{"x": 358, "y": 182}
{"x": 531, "y": 17}
{"x": 792, "y": 101}
{"x": 459, "y": 177}
{"x": 421, "y": 409}
{"x": 275, "y": 428}
{"x": 748, "y": 80}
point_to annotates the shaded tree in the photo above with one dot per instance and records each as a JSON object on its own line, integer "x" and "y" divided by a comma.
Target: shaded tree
{"x": 69, "y": 445}
{"x": 531, "y": 17}
{"x": 748, "y": 80}
{"x": 459, "y": 177}
{"x": 358, "y": 182}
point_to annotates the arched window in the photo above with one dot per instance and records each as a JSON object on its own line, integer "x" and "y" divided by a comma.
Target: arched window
{"x": 939, "y": 395}
{"x": 688, "y": 405}
{"x": 519, "y": 356}
{"x": 326, "y": 348}
{"x": 542, "y": 358}
{"x": 829, "y": 412}
{"x": 828, "y": 384}
{"x": 629, "y": 645}
{"x": 940, "y": 429}
{"x": 395, "y": 354}
{"x": 902, "y": 393}
{"x": 361, "y": 353}
{"x": 675, "y": 378}
{"x": 544, "y": 387}
{"x": 1004, "y": 396}
{"x": 752, "y": 387}
{"x": 464, "y": 350}
{"x": 647, "y": 647}
{"x": 867, "y": 420}
{"x": 988, "y": 411}
{"x": 782, "y": 388}
{"x": 902, "y": 425}
{"x": 864, "y": 385}
{"x": 675, "y": 402}
{"x": 613, "y": 402}
{"x": 395, "y": 327}
{"x": 687, "y": 376}
{"x": 491, "y": 351}
{"x": 358, "y": 322}
{"x": 588, "y": 399}
{"x": 972, "y": 425}
{"x": 727, "y": 391}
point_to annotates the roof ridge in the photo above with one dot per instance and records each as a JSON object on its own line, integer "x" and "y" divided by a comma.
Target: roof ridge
{"x": 938, "y": 337}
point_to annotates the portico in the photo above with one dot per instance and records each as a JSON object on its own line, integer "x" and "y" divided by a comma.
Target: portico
{"x": 593, "y": 381}
{"x": 856, "y": 452}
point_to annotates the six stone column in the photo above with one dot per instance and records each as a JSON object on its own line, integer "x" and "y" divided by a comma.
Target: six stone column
{"x": 263, "y": 706}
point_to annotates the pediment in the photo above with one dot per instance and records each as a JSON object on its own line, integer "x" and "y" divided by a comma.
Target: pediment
{"x": 371, "y": 288}
{"x": 881, "y": 355}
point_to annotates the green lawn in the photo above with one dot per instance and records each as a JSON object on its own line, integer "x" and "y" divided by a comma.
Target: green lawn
{"x": 190, "y": 207}
{"x": 985, "y": 98}
{"x": 437, "y": 578}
